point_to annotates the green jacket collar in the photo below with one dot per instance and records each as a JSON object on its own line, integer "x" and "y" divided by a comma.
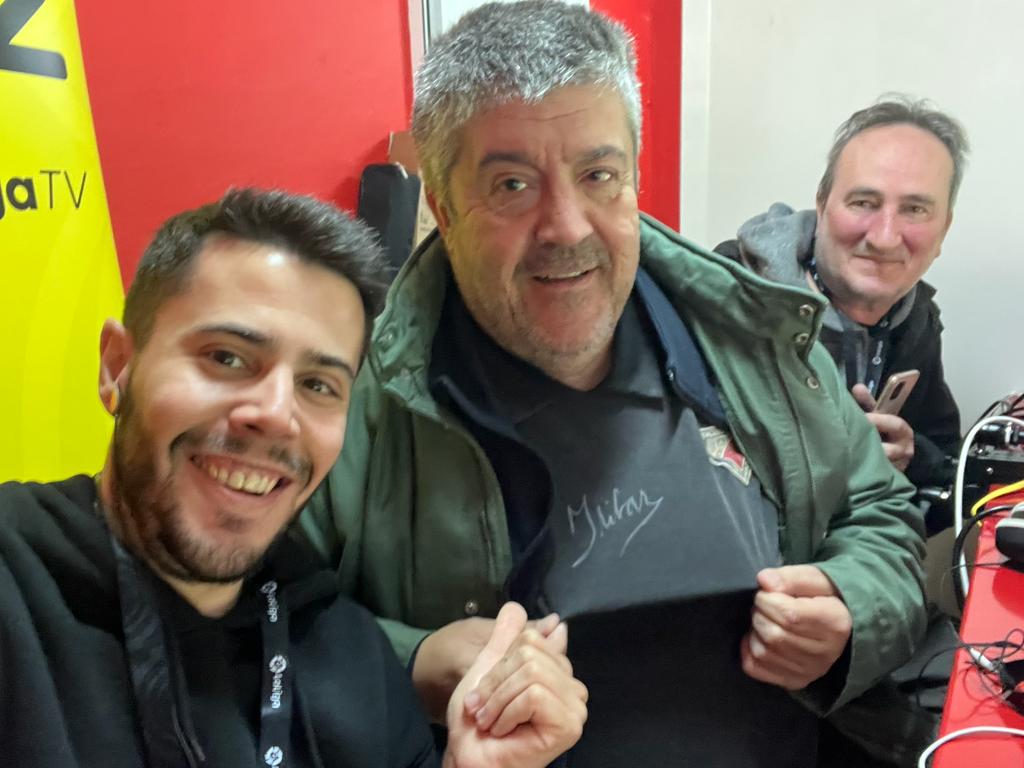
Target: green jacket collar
{"x": 705, "y": 288}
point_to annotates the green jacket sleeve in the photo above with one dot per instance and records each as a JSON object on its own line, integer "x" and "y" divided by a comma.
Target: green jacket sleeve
{"x": 334, "y": 519}
{"x": 873, "y": 554}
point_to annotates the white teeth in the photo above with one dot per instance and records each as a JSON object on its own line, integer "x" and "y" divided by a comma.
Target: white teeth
{"x": 252, "y": 482}
{"x": 255, "y": 484}
{"x": 567, "y": 276}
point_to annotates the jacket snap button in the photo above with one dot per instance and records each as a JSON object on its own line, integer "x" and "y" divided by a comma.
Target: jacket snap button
{"x": 806, "y": 310}
{"x": 812, "y": 382}
{"x": 387, "y": 338}
{"x": 671, "y": 374}
{"x": 471, "y": 608}
{"x": 802, "y": 338}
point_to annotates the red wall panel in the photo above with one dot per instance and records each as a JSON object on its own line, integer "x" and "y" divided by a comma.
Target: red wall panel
{"x": 657, "y": 27}
{"x": 189, "y": 98}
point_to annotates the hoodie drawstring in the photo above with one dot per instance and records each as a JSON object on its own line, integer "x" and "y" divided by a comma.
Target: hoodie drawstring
{"x": 159, "y": 685}
{"x": 167, "y": 729}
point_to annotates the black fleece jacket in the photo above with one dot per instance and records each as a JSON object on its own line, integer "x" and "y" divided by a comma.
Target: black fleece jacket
{"x": 66, "y": 698}
{"x": 915, "y": 344}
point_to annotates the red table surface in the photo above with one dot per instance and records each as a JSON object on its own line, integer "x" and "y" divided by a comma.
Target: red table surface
{"x": 995, "y": 605}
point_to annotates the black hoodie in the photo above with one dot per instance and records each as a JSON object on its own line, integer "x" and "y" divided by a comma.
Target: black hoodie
{"x": 66, "y": 693}
{"x": 777, "y": 245}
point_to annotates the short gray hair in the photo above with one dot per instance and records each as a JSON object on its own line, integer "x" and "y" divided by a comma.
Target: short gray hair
{"x": 503, "y": 52}
{"x": 897, "y": 109}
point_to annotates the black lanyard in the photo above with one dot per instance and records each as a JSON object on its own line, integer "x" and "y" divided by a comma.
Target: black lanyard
{"x": 879, "y": 341}
{"x": 160, "y": 691}
{"x": 276, "y": 709}
{"x": 167, "y": 729}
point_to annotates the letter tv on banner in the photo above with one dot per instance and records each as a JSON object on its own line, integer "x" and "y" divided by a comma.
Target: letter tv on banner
{"x": 59, "y": 276}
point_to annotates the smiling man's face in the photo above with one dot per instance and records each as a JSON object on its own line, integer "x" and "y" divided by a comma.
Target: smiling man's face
{"x": 233, "y": 410}
{"x": 543, "y": 234}
{"x": 885, "y": 218}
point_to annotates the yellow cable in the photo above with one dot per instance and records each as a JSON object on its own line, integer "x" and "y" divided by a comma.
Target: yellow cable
{"x": 995, "y": 495}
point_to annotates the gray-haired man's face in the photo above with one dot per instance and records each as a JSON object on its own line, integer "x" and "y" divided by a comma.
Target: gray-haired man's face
{"x": 544, "y": 232}
{"x": 885, "y": 218}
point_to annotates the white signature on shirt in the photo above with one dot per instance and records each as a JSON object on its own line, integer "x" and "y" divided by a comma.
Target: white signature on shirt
{"x": 633, "y": 510}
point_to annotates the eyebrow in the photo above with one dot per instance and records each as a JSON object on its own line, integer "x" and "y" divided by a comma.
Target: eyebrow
{"x": 263, "y": 341}
{"x": 921, "y": 199}
{"x": 913, "y": 198}
{"x": 321, "y": 360}
{"x": 590, "y": 156}
{"x": 600, "y": 153}
{"x": 491, "y": 158}
{"x": 863, "y": 191}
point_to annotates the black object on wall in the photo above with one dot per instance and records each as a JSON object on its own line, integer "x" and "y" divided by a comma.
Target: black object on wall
{"x": 388, "y": 201}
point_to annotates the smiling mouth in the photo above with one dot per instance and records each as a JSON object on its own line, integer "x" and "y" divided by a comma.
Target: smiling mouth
{"x": 245, "y": 479}
{"x": 560, "y": 278}
{"x": 877, "y": 259}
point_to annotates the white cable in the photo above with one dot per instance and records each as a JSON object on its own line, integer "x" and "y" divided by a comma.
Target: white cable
{"x": 981, "y": 659}
{"x": 978, "y": 657}
{"x": 958, "y": 487}
{"x": 923, "y": 760}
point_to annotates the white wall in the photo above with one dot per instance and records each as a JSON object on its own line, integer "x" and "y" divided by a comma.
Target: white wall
{"x": 766, "y": 83}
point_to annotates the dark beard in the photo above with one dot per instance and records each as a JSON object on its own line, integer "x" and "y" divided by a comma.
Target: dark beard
{"x": 146, "y": 515}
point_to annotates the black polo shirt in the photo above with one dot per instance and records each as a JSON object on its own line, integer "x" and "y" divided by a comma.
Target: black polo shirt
{"x": 659, "y": 529}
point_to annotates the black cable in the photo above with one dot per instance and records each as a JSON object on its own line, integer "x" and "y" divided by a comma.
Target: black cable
{"x": 1004, "y": 409}
{"x": 1008, "y": 647}
{"x": 988, "y": 411}
{"x": 1013, "y": 406}
{"x": 958, "y": 546}
{"x": 969, "y": 566}
{"x": 997, "y": 680}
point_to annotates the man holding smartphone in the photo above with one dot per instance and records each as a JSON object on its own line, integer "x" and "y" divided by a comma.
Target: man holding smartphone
{"x": 884, "y": 205}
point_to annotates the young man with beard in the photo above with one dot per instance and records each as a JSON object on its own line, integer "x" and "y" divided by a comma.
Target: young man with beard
{"x": 567, "y": 404}
{"x": 157, "y": 614}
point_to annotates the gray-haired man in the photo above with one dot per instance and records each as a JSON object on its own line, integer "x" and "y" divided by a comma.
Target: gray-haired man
{"x": 884, "y": 205}
{"x": 567, "y": 404}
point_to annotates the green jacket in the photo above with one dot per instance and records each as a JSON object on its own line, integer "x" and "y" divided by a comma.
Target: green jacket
{"x": 413, "y": 511}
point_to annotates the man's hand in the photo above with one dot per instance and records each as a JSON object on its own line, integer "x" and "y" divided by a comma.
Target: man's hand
{"x": 799, "y": 629}
{"x": 519, "y": 705}
{"x": 897, "y": 436}
{"x": 444, "y": 658}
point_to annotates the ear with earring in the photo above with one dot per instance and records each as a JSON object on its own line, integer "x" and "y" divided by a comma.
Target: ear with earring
{"x": 114, "y": 403}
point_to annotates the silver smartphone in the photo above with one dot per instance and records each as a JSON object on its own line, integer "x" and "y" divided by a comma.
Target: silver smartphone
{"x": 896, "y": 391}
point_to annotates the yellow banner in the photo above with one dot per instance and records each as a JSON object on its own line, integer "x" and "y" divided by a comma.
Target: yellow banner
{"x": 59, "y": 275}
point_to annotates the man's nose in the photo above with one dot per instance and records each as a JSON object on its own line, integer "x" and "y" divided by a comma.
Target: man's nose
{"x": 564, "y": 216}
{"x": 884, "y": 234}
{"x": 269, "y": 406}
